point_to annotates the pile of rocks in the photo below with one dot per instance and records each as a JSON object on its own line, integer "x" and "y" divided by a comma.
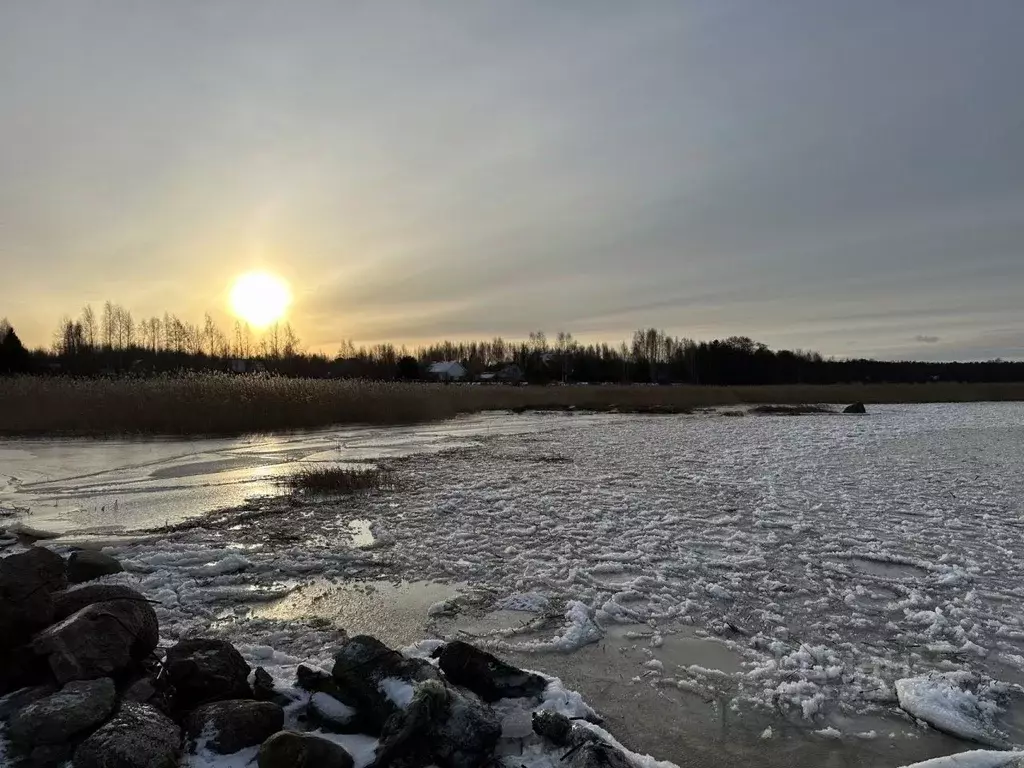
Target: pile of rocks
{"x": 81, "y": 680}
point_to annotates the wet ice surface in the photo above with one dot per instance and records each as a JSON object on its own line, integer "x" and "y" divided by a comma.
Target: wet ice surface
{"x": 105, "y": 487}
{"x": 717, "y": 587}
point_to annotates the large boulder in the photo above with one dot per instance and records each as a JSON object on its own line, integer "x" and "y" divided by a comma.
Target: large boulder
{"x": 27, "y": 582}
{"x": 590, "y": 751}
{"x": 288, "y": 749}
{"x": 333, "y": 715}
{"x": 855, "y": 408}
{"x": 330, "y": 706}
{"x": 51, "y": 755}
{"x": 376, "y": 680}
{"x": 552, "y": 726}
{"x": 486, "y": 675}
{"x": 22, "y": 697}
{"x": 142, "y": 690}
{"x": 89, "y": 564}
{"x": 74, "y": 710}
{"x": 69, "y": 601}
{"x": 100, "y": 640}
{"x": 225, "y": 727}
{"x": 138, "y": 736}
{"x": 205, "y": 670}
{"x": 442, "y": 726}
{"x": 263, "y": 686}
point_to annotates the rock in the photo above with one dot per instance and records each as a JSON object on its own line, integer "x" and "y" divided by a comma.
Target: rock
{"x": 89, "y": 564}
{"x": 75, "y": 709}
{"x": 855, "y": 408}
{"x": 314, "y": 680}
{"x": 263, "y": 689}
{"x": 51, "y": 755}
{"x": 21, "y": 698}
{"x": 440, "y": 725}
{"x": 27, "y": 583}
{"x": 229, "y": 726}
{"x": 589, "y": 751}
{"x": 288, "y": 749}
{"x": 69, "y": 601}
{"x": 330, "y": 704}
{"x": 205, "y": 670}
{"x": 263, "y": 685}
{"x": 138, "y": 736}
{"x": 100, "y": 640}
{"x": 486, "y": 675}
{"x": 376, "y": 680}
{"x": 552, "y": 726}
{"x": 333, "y": 715}
{"x": 141, "y": 691}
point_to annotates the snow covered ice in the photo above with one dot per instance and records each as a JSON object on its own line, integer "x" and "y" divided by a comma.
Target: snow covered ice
{"x": 798, "y": 578}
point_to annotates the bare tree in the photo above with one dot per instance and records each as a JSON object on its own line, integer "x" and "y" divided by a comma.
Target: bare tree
{"x": 210, "y": 334}
{"x": 291, "y": 342}
{"x": 69, "y": 339}
{"x": 108, "y": 325}
{"x": 89, "y": 326}
{"x": 273, "y": 340}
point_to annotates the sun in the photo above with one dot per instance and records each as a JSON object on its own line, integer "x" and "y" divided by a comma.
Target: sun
{"x": 260, "y": 298}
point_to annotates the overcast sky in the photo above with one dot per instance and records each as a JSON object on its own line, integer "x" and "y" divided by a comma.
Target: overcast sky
{"x": 841, "y": 176}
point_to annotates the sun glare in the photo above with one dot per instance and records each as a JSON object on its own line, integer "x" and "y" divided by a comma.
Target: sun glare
{"x": 260, "y": 298}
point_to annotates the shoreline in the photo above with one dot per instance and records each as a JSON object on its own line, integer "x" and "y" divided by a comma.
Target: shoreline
{"x": 229, "y": 406}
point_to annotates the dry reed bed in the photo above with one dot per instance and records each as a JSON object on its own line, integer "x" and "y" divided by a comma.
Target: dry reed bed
{"x": 222, "y": 404}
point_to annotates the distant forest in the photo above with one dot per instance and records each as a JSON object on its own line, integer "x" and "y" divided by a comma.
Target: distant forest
{"x": 113, "y": 343}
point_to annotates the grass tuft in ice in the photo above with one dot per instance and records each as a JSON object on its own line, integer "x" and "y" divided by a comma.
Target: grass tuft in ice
{"x": 337, "y": 480}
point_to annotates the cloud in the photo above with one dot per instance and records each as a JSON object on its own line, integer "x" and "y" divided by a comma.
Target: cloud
{"x": 803, "y": 175}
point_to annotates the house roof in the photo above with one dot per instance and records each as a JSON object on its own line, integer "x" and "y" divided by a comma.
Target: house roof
{"x": 450, "y": 368}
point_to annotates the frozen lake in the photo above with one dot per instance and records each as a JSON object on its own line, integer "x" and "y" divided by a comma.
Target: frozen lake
{"x": 751, "y": 588}
{"x": 104, "y": 487}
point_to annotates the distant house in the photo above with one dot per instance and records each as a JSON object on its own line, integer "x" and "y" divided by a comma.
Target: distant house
{"x": 503, "y": 374}
{"x": 447, "y": 371}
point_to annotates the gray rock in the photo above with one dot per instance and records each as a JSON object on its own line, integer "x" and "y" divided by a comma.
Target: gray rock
{"x": 205, "y": 670}
{"x": 69, "y": 601}
{"x": 333, "y": 715}
{"x": 50, "y": 755}
{"x": 228, "y": 726}
{"x": 360, "y": 666}
{"x": 589, "y": 751}
{"x": 138, "y": 736}
{"x": 552, "y": 726}
{"x": 288, "y": 749}
{"x": 22, "y": 697}
{"x": 88, "y": 564}
{"x": 321, "y": 712}
{"x": 443, "y": 726}
{"x": 855, "y": 408}
{"x": 141, "y": 691}
{"x": 263, "y": 685}
{"x": 100, "y": 640}
{"x": 27, "y": 581}
{"x": 60, "y": 717}
{"x": 486, "y": 675}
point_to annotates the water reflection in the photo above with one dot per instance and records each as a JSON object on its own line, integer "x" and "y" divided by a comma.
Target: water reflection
{"x": 101, "y": 487}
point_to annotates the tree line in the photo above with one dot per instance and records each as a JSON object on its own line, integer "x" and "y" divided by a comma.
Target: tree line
{"x": 113, "y": 342}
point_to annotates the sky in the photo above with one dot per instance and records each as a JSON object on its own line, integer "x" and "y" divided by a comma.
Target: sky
{"x": 838, "y": 175}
